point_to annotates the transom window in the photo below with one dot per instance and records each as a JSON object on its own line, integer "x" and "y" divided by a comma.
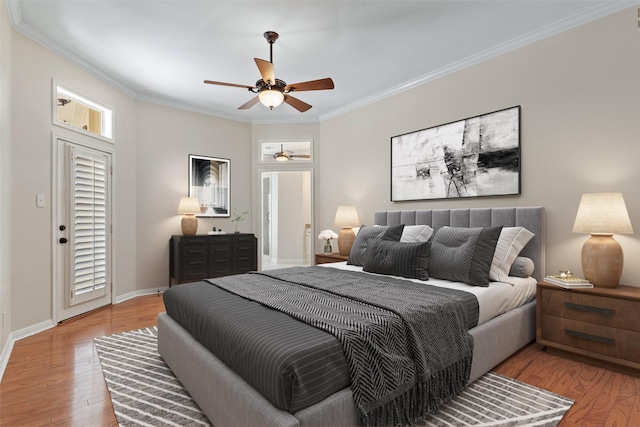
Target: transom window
{"x": 81, "y": 114}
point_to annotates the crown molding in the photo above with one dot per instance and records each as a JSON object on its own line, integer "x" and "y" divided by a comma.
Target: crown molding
{"x": 613, "y": 6}
{"x": 15, "y": 16}
{"x": 192, "y": 108}
{"x": 516, "y": 43}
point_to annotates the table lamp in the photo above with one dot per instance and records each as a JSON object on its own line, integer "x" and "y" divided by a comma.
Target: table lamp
{"x": 346, "y": 217}
{"x": 602, "y": 215}
{"x": 189, "y": 206}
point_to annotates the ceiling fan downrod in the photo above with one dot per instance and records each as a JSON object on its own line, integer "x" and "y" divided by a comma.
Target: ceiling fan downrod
{"x": 271, "y": 37}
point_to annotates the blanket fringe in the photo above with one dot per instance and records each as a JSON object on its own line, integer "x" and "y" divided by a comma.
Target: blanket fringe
{"x": 422, "y": 399}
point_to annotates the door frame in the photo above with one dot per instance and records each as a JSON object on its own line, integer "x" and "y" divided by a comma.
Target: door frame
{"x": 92, "y": 144}
{"x": 284, "y": 168}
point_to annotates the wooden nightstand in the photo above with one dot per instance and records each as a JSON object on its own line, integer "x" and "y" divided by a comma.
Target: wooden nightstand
{"x": 327, "y": 258}
{"x": 594, "y": 325}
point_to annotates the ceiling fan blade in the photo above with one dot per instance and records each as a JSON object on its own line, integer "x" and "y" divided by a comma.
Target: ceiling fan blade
{"x": 302, "y": 156}
{"x": 321, "y": 84}
{"x": 296, "y": 103}
{"x": 266, "y": 71}
{"x": 211, "y": 82}
{"x": 250, "y": 103}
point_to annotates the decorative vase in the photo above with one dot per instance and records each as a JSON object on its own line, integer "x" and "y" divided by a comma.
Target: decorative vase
{"x": 327, "y": 246}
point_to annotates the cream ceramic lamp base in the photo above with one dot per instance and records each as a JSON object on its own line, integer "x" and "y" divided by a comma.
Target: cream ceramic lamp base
{"x": 602, "y": 260}
{"x": 345, "y": 240}
{"x": 189, "y": 225}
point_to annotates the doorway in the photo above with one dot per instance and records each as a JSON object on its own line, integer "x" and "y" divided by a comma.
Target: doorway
{"x": 286, "y": 203}
{"x": 82, "y": 221}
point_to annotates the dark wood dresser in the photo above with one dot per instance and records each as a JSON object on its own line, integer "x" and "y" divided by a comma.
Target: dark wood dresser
{"x": 194, "y": 258}
{"x": 596, "y": 325}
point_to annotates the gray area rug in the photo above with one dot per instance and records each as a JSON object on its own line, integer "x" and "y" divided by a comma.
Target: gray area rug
{"x": 144, "y": 392}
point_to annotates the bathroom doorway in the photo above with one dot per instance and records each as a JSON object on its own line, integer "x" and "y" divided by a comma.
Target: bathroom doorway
{"x": 286, "y": 234}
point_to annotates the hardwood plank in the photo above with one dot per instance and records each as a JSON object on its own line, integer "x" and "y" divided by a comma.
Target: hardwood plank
{"x": 54, "y": 378}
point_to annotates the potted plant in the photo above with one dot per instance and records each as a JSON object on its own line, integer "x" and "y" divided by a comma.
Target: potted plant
{"x": 238, "y": 216}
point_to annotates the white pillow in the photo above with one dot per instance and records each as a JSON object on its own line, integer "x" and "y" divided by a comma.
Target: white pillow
{"x": 510, "y": 243}
{"x": 416, "y": 233}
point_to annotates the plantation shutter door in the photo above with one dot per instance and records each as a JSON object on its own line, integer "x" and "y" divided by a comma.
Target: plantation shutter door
{"x": 89, "y": 235}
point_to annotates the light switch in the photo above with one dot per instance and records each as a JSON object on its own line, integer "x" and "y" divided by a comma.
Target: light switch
{"x": 40, "y": 200}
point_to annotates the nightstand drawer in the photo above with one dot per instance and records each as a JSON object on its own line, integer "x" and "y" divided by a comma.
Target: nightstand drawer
{"x": 618, "y": 343}
{"x": 616, "y": 313}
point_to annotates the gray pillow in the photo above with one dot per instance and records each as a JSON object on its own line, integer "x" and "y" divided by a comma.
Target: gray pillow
{"x": 383, "y": 232}
{"x": 393, "y": 233}
{"x": 522, "y": 267}
{"x": 416, "y": 233}
{"x": 463, "y": 254}
{"x": 398, "y": 259}
{"x": 359, "y": 247}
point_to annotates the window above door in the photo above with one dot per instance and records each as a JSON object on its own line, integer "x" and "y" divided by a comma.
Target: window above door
{"x": 286, "y": 151}
{"x": 81, "y": 114}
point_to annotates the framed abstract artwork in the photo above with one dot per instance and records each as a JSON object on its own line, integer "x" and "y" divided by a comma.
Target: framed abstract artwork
{"x": 474, "y": 157}
{"x": 209, "y": 182}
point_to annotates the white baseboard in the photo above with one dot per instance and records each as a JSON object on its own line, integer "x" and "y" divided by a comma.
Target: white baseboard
{"x": 18, "y": 335}
{"x": 48, "y": 324}
{"x": 139, "y": 293}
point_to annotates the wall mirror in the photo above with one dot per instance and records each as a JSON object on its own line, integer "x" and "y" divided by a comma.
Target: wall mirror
{"x": 81, "y": 114}
{"x": 209, "y": 179}
{"x": 286, "y": 151}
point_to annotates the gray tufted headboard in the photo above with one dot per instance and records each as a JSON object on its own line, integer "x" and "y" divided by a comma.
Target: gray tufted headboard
{"x": 531, "y": 218}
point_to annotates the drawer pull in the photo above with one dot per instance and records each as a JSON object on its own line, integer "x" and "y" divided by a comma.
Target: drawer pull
{"x": 195, "y": 262}
{"x": 605, "y": 311}
{"x": 589, "y": 337}
{"x": 194, "y": 251}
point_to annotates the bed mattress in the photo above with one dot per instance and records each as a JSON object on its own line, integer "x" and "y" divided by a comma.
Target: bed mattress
{"x": 292, "y": 364}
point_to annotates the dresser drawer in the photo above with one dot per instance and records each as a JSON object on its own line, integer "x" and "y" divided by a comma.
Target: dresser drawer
{"x": 193, "y": 241}
{"x": 612, "y": 312}
{"x": 195, "y": 250}
{"x": 219, "y": 251}
{"x": 194, "y": 268}
{"x": 605, "y": 340}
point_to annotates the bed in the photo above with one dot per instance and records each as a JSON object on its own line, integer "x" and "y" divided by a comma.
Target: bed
{"x": 227, "y": 399}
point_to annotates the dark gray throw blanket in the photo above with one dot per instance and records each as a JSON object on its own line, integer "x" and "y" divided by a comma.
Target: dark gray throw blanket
{"x": 407, "y": 346}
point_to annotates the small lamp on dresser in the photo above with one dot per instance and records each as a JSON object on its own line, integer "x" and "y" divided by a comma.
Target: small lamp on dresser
{"x": 188, "y": 207}
{"x": 346, "y": 217}
{"x": 602, "y": 215}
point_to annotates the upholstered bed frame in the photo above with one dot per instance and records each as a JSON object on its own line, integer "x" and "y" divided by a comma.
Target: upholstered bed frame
{"x": 229, "y": 401}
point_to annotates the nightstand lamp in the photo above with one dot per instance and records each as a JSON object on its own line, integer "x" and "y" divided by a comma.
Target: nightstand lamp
{"x": 602, "y": 215}
{"x": 346, "y": 217}
{"x": 188, "y": 207}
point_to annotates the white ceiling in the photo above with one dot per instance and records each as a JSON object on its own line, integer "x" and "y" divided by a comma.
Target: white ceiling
{"x": 161, "y": 51}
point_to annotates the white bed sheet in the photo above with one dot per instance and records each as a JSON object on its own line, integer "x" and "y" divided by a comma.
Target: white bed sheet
{"x": 497, "y": 298}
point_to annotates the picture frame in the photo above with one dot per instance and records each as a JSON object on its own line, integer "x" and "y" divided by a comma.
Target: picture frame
{"x": 474, "y": 157}
{"x": 209, "y": 182}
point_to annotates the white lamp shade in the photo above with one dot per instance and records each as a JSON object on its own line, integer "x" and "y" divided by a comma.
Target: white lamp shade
{"x": 188, "y": 205}
{"x": 271, "y": 98}
{"x": 604, "y": 213}
{"x": 346, "y": 216}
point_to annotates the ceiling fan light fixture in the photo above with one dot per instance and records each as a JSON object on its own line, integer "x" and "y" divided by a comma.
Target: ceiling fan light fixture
{"x": 271, "y": 98}
{"x": 281, "y": 157}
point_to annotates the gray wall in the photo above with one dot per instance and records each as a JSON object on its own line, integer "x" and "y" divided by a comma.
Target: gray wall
{"x": 580, "y": 101}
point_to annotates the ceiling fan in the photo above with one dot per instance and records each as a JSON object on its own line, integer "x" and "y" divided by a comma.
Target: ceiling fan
{"x": 271, "y": 91}
{"x": 286, "y": 155}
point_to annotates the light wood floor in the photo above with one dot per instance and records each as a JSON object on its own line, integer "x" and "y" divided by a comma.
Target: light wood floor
{"x": 54, "y": 378}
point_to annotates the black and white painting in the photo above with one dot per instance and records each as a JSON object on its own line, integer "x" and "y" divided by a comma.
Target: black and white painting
{"x": 478, "y": 156}
{"x": 209, "y": 183}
